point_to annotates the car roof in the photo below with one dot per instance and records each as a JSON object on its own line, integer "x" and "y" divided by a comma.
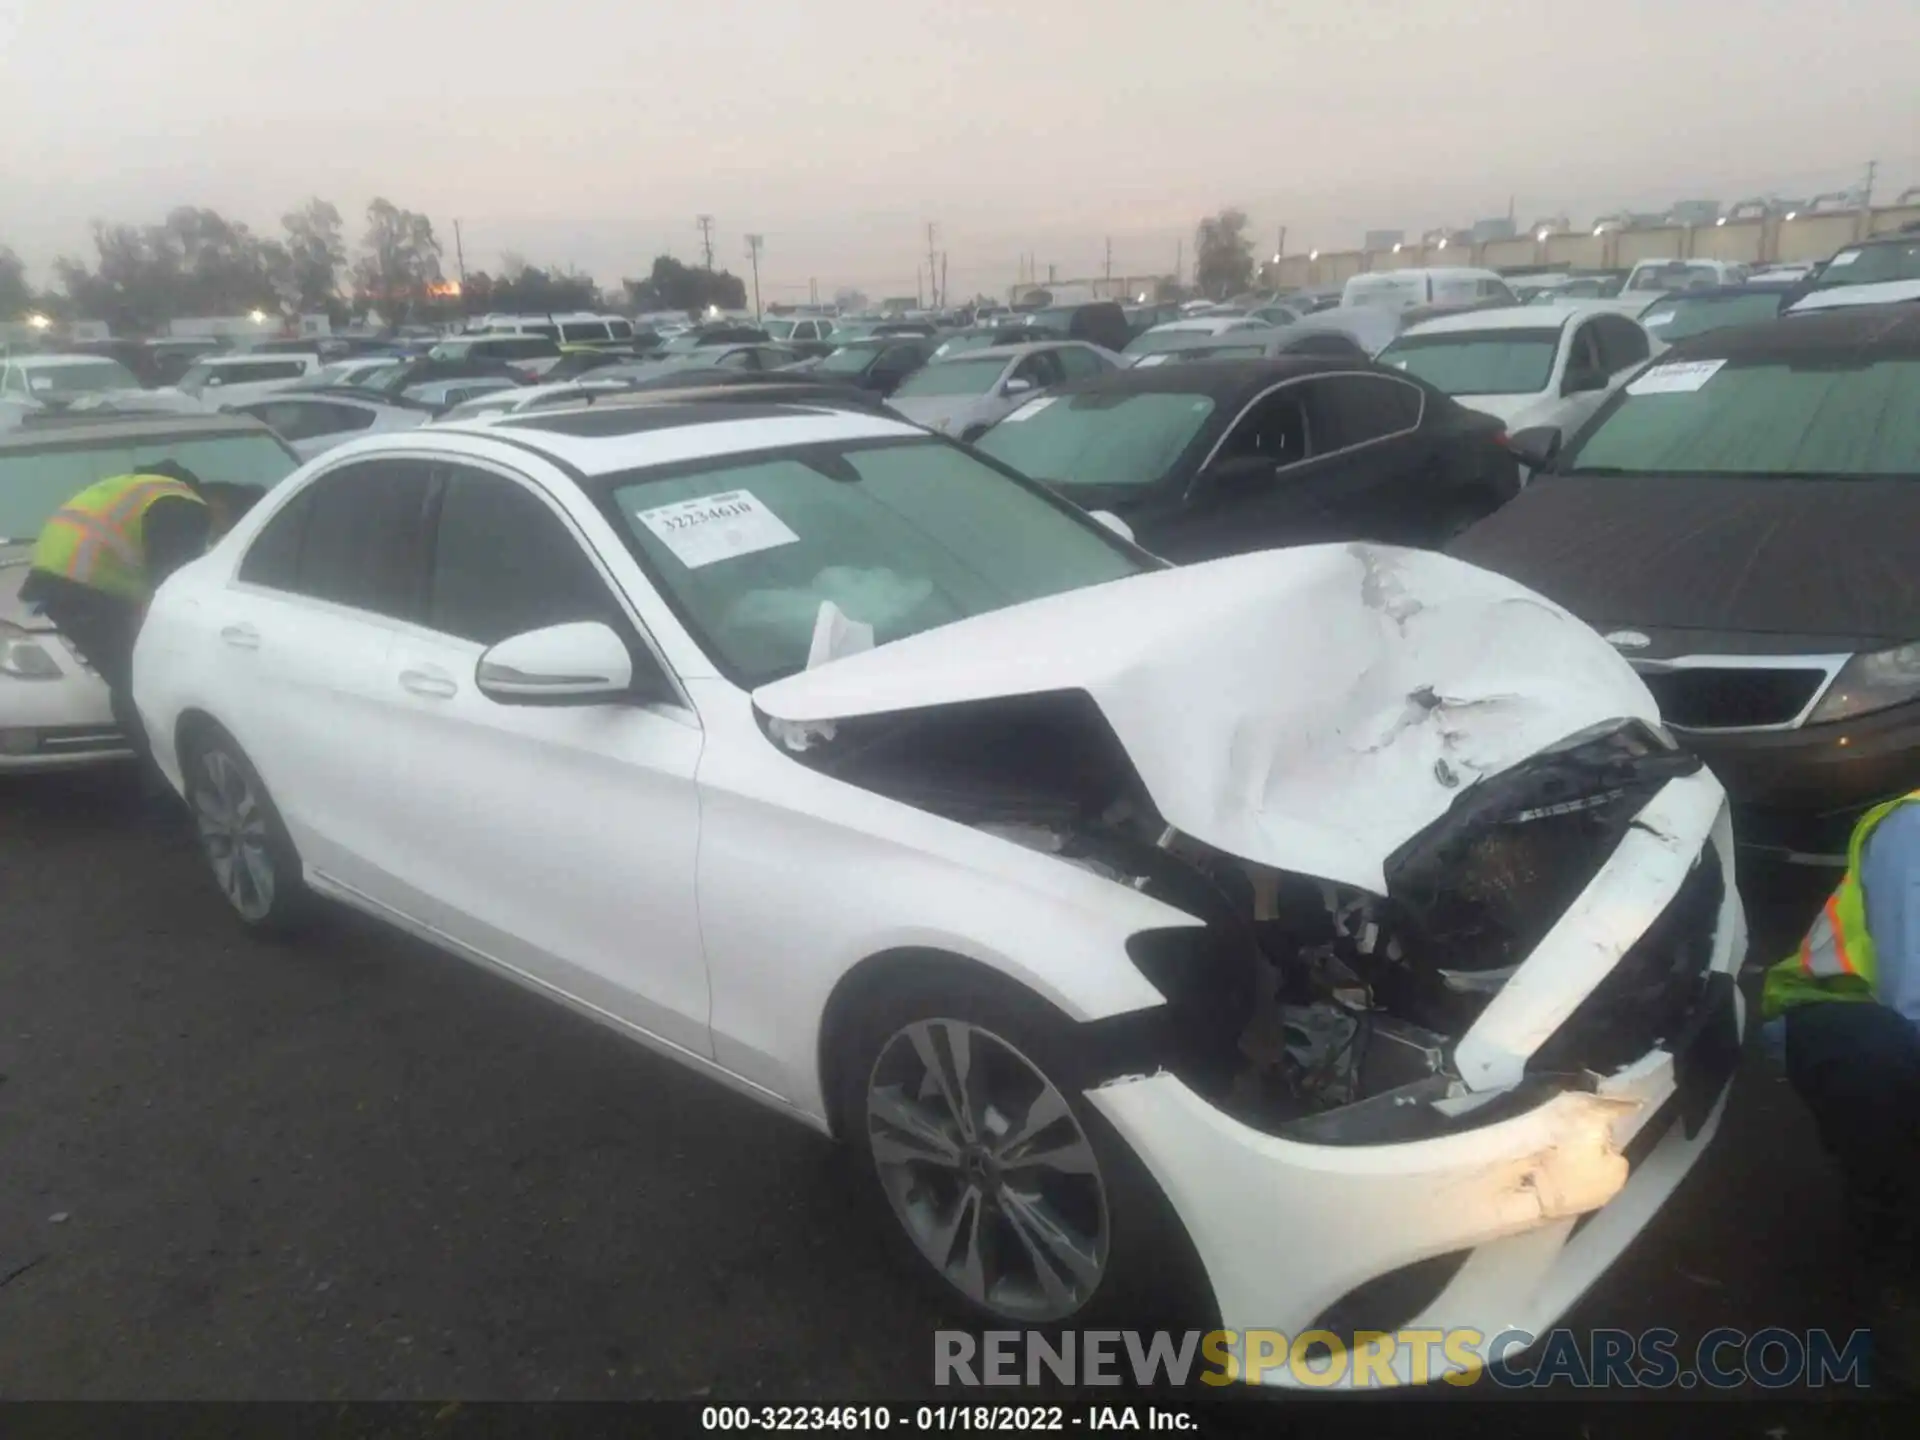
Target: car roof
{"x": 155, "y": 426}
{"x": 1204, "y": 324}
{"x": 1506, "y": 317}
{"x": 1852, "y": 330}
{"x": 65, "y": 357}
{"x": 620, "y": 433}
{"x": 258, "y": 357}
{"x": 1228, "y": 381}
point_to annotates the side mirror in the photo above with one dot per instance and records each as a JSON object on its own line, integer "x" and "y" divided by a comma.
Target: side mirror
{"x": 1114, "y": 523}
{"x": 1583, "y": 382}
{"x": 579, "y": 664}
{"x": 1017, "y": 386}
{"x": 1536, "y": 447}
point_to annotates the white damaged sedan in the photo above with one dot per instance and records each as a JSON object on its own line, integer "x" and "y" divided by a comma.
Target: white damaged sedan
{"x": 1330, "y": 937}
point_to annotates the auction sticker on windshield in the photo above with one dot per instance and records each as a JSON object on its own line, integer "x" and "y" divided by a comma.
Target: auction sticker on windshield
{"x": 1675, "y": 379}
{"x": 716, "y": 527}
{"x": 1029, "y": 410}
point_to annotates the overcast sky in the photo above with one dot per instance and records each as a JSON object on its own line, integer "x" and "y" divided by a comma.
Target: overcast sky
{"x": 593, "y": 131}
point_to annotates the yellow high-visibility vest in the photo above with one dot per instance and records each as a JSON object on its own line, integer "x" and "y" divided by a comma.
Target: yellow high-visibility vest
{"x": 98, "y": 537}
{"x": 1836, "y": 960}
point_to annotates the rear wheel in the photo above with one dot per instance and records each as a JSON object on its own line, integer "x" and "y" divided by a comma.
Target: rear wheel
{"x": 241, "y": 835}
{"x": 1003, "y": 1180}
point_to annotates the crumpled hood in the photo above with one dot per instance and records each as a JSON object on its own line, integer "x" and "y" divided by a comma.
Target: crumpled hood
{"x": 1310, "y": 708}
{"x": 13, "y": 574}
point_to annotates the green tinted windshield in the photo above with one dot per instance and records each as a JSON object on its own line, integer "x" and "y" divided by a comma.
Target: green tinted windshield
{"x": 902, "y": 535}
{"x": 1155, "y": 341}
{"x": 1678, "y": 317}
{"x": 1098, "y": 439}
{"x": 952, "y": 377}
{"x": 1478, "y": 362}
{"x": 778, "y": 329}
{"x": 960, "y": 344}
{"x": 35, "y": 483}
{"x": 1872, "y": 265}
{"x": 1761, "y": 419}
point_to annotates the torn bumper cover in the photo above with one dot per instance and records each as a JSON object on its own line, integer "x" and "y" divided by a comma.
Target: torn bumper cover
{"x": 1496, "y": 1228}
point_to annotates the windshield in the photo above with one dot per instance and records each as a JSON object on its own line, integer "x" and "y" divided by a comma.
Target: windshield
{"x": 850, "y": 359}
{"x": 79, "y": 377}
{"x": 1872, "y": 265}
{"x": 35, "y": 483}
{"x": 1760, "y": 418}
{"x": 575, "y": 332}
{"x": 1671, "y": 275}
{"x": 779, "y": 329}
{"x": 960, "y": 344}
{"x": 953, "y": 377}
{"x": 1153, "y": 342}
{"x": 1099, "y": 438}
{"x": 1678, "y": 317}
{"x": 904, "y": 536}
{"x": 1478, "y": 362}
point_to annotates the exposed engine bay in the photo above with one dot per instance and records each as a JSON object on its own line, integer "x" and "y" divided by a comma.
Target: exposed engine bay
{"x": 1307, "y": 1008}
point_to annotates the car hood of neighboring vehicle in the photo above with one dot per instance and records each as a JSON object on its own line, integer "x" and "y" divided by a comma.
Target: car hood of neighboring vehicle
{"x": 1799, "y": 557}
{"x": 14, "y": 564}
{"x": 1310, "y": 709}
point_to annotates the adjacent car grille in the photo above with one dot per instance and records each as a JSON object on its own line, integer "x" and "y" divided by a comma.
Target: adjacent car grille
{"x": 1712, "y": 698}
{"x": 1648, "y": 997}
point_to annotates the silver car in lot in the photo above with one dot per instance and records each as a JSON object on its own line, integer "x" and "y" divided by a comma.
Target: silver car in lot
{"x": 312, "y": 423}
{"x": 962, "y": 395}
{"x": 54, "y": 712}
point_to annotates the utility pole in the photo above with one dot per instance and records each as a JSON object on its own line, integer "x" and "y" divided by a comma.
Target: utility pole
{"x": 1049, "y": 274}
{"x": 459, "y": 255}
{"x": 919, "y": 295}
{"x": 1866, "y": 186}
{"x": 946, "y": 298}
{"x": 705, "y": 222}
{"x": 1179, "y": 260}
{"x": 754, "y": 242}
{"x": 813, "y": 290}
{"x": 1109, "y": 267}
{"x": 933, "y": 269}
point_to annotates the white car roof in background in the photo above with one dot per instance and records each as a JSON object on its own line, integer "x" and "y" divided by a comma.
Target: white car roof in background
{"x": 53, "y": 362}
{"x": 1504, "y": 317}
{"x": 1841, "y": 296}
{"x": 707, "y": 432}
{"x": 1210, "y": 325}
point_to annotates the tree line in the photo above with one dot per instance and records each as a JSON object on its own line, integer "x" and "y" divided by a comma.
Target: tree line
{"x": 198, "y": 262}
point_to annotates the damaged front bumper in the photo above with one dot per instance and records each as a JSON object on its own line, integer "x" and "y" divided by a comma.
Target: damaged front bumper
{"x": 1490, "y": 1229}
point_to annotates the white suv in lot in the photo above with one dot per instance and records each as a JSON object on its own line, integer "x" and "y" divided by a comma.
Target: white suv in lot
{"x": 1132, "y": 925}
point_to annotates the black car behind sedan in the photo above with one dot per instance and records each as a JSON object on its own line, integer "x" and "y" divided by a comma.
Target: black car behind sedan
{"x": 1220, "y": 457}
{"x": 1743, "y": 521}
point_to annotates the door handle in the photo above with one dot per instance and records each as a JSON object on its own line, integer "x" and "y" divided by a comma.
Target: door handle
{"x": 436, "y": 684}
{"x": 241, "y": 637}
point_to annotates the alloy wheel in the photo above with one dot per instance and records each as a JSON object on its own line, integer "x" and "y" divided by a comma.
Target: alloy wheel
{"x": 231, "y": 818}
{"x": 988, "y": 1169}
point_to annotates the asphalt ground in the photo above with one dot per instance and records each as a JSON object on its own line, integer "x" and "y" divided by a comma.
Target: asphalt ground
{"x": 352, "y": 1167}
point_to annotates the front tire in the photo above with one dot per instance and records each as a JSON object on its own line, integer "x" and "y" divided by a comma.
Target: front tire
{"x": 1007, "y": 1188}
{"x": 241, "y": 836}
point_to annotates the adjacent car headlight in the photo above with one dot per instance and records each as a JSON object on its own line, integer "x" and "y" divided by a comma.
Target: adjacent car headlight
{"x": 22, "y": 655}
{"x": 1871, "y": 682}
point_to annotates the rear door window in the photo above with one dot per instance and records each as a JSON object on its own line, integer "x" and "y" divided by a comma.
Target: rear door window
{"x": 352, "y": 537}
{"x": 1350, "y": 410}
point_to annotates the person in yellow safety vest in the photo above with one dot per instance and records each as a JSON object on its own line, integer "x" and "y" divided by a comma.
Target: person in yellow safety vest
{"x": 100, "y": 557}
{"x": 1848, "y": 1002}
